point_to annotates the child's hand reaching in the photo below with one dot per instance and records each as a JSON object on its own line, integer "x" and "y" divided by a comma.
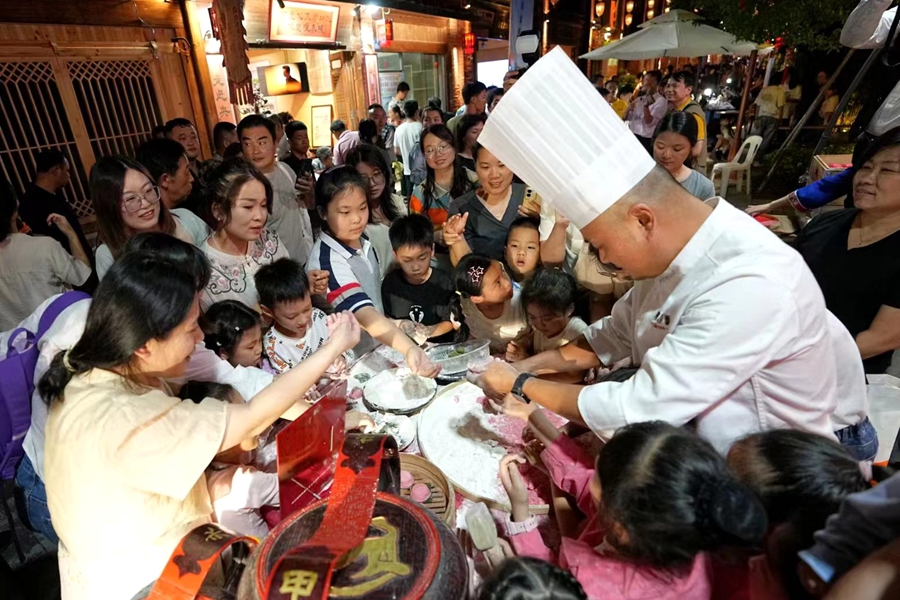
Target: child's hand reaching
{"x": 514, "y": 485}
{"x": 516, "y": 351}
{"x": 420, "y": 364}
{"x": 343, "y": 331}
{"x": 514, "y": 407}
{"x": 357, "y": 420}
{"x": 318, "y": 282}
{"x": 454, "y": 228}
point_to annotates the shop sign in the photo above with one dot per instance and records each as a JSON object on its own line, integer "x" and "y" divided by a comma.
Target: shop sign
{"x": 301, "y": 23}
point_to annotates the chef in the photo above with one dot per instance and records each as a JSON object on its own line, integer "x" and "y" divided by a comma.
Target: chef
{"x": 725, "y": 321}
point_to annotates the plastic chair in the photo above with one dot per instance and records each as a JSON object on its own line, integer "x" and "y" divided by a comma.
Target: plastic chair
{"x": 740, "y": 166}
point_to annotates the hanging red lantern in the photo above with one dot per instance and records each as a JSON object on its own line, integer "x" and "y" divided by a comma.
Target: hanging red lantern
{"x": 389, "y": 30}
{"x": 469, "y": 43}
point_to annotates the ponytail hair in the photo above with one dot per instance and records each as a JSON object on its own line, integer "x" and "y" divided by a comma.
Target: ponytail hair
{"x": 470, "y": 274}
{"x": 142, "y": 297}
{"x": 674, "y": 497}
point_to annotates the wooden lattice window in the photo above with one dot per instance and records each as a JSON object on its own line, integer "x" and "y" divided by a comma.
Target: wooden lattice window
{"x": 32, "y": 119}
{"x": 118, "y": 102}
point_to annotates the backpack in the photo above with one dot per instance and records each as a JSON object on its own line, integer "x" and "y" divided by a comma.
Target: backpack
{"x": 17, "y": 375}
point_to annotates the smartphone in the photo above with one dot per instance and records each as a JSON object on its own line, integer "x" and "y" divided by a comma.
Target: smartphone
{"x": 532, "y": 201}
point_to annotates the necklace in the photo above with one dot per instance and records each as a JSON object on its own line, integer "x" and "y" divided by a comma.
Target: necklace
{"x": 864, "y": 234}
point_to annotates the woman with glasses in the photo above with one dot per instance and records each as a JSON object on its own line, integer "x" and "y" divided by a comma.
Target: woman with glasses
{"x": 467, "y": 136}
{"x": 384, "y": 205}
{"x": 240, "y": 200}
{"x": 446, "y": 178}
{"x": 126, "y": 203}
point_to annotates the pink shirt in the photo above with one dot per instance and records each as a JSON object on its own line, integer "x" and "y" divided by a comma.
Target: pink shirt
{"x": 347, "y": 142}
{"x": 605, "y": 576}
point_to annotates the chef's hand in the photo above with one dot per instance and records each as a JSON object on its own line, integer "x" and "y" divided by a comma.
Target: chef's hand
{"x": 454, "y": 228}
{"x": 513, "y": 406}
{"x": 496, "y": 378}
{"x": 343, "y": 330}
{"x": 512, "y": 481}
{"x": 318, "y": 282}
{"x": 420, "y": 364}
{"x": 357, "y": 420}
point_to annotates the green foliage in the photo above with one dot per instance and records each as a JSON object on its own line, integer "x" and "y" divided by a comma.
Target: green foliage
{"x": 815, "y": 24}
{"x": 626, "y": 78}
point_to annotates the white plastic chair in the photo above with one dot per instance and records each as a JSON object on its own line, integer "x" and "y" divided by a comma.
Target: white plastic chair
{"x": 740, "y": 166}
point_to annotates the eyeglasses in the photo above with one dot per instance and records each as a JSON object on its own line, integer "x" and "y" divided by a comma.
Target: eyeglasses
{"x": 442, "y": 149}
{"x": 133, "y": 202}
{"x": 376, "y": 179}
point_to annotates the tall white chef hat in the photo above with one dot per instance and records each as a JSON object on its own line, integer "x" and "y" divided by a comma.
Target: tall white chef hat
{"x": 556, "y": 132}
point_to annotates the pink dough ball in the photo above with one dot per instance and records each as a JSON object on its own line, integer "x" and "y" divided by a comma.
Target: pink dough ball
{"x": 420, "y": 493}
{"x": 407, "y": 480}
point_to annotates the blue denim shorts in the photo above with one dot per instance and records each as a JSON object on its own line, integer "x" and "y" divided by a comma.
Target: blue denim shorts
{"x": 35, "y": 496}
{"x": 861, "y": 440}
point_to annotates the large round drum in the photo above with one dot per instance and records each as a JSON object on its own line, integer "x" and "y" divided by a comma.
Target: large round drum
{"x": 408, "y": 554}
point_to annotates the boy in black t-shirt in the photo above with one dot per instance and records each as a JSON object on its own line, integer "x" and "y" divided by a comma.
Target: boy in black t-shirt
{"x": 417, "y": 296}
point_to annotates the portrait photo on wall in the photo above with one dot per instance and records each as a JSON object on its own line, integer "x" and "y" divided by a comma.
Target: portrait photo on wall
{"x": 284, "y": 79}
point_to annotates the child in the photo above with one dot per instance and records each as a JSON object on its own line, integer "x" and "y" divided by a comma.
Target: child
{"x": 233, "y": 330}
{"x": 801, "y": 478}
{"x": 526, "y": 577}
{"x": 549, "y": 301}
{"x": 490, "y": 305}
{"x": 238, "y": 491}
{"x": 416, "y": 293}
{"x": 297, "y": 328}
{"x": 523, "y": 248}
{"x": 667, "y": 499}
{"x": 345, "y": 252}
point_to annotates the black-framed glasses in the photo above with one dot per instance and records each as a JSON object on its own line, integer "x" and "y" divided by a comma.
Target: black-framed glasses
{"x": 133, "y": 202}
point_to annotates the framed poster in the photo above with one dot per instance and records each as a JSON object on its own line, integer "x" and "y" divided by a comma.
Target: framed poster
{"x": 282, "y": 80}
{"x": 388, "y": 82}
{"x": 301, "y": 23}
{"x": 372, "y": 87}
{"x": 321, "y": 126}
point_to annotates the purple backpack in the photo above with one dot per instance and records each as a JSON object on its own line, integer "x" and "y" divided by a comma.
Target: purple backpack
{"x": 17, "y": 375}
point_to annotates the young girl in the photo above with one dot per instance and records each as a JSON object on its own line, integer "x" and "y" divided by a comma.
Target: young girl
{"x": 675, "y": 136}
{"x": 549, "y": 301}
{"x": 384, "y": 205}
{"x": 126, "y": 202}
{"x": 667, "y": 499}
{"x": 445, "y": 178}
{"x": 345, "y": 252}
{"x": 801, "y": 478}
{"x": 233, "y": 330}
{"x": 492, "y": 308}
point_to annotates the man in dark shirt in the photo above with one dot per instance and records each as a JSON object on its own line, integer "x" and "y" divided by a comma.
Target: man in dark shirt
{"x": 184, "y": 132}
{"x": 42, "y": 198}
{"x": 298, "y": 139}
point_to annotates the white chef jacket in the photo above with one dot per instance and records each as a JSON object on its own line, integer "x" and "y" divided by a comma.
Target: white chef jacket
{"x": 732, "y": 338}
{"x": 868, "y": 27}
{"x": 205, "y": 365}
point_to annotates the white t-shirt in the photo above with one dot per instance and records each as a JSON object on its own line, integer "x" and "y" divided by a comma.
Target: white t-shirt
{"x": 104, "y": 259}
{"x": 125, "y": 481}
{"x": 502, "y": 330}
{"x": 238, "y": 493}
{"x": 232, "y": 276}
{"x": 31, "y": 270}
{"x": 194, "y": 225}
{"x": 573, "y": 330}
{"x": 289, "y": 219}
{"x": 407, "y": 136}
{"x": 712, "y": 354}
{"x": 285, "y": 353}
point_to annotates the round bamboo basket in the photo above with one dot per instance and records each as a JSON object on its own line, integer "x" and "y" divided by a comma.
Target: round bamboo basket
{"x": 443, "y": 496}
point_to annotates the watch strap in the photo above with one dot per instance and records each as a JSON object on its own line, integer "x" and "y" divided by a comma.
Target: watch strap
{"x": 518, "y": 527}
{"x": 517, "y": 388}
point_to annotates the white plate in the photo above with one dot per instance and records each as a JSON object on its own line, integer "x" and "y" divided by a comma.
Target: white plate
{"x": 389, "y": 391}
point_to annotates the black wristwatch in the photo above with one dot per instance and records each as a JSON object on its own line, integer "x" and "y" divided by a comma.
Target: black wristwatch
{"x": 519, "y": 384}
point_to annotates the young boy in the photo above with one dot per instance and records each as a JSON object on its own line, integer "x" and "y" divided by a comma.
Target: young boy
{"x": 523, "y": 248}
{"x": 549, "y": 301}
{"x": 237, "y": 491}
{"x": 297, "y": 328}
{"x": 417, "y": 295}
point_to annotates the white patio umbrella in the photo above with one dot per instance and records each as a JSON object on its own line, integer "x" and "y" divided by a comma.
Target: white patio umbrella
{"x": 675, "y": 33}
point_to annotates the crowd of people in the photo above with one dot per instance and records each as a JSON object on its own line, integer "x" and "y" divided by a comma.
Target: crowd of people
{"x": 723, "y": 369}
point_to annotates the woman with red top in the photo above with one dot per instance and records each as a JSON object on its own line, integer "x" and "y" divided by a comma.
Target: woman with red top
{"x": 667, "y": 500}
